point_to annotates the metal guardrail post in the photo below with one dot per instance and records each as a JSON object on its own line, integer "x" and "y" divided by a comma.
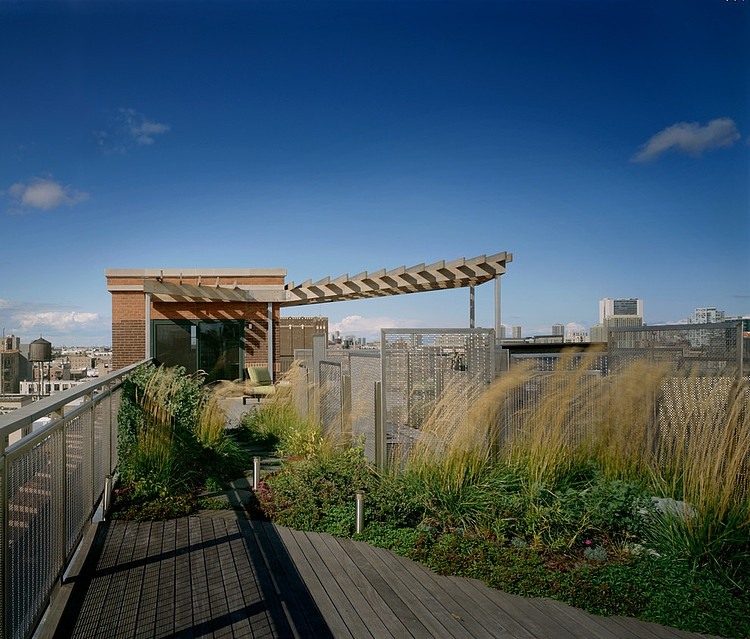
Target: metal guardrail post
{"x": 380, "y": 443}
{"x": 346, "y": 406}
{"x": 360, "y": 512}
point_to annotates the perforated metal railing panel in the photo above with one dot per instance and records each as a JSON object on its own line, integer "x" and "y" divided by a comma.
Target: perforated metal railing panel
{"x": 701, "y": 412}
{"x": 35, "y": 529}
{"x": 331, "y": 398}
{"x": 701, "y": 349}
{"x": 426, "y": 369}
{"x": 365, "y": 370}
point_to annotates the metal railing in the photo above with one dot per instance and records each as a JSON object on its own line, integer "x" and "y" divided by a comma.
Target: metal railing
{"x": 383, "y": 398}
{"x": 55, "y": 455}
{"x": 704, "y": 349}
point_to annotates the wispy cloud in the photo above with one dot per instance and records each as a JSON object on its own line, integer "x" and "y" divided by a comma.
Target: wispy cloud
{"x": 369, "y": 326}
{"x": 130, "y": 129}
{"x": 59, "y": 324}
{"x": 57, "y": 320}
{"x": 690, "y": 138}
{"x": 43, "y": 194}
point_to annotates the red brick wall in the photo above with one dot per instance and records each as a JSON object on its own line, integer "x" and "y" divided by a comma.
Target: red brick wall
{"x": 128, "y": 328}
{"x": 129, "y": 324}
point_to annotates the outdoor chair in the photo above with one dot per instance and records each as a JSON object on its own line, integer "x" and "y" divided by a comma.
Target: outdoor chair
{"x": 262, "y": 383}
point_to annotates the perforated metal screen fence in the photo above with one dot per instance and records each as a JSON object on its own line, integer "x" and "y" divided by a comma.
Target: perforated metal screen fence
{"x": 706, "y": 412}
{"x": 441, "y": 373}
{"x": 421, "y": 368}
{"x": 365, "y": 370}
{"x": 699, "y": 349}
{"x": 331, "y": 398}
{"x": 579, "y": 394}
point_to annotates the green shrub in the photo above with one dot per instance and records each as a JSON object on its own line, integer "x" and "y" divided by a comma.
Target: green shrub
{"x": 303, "y": 493}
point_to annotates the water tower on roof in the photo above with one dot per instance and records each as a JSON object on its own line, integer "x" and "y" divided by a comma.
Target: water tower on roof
{"x": 40, "y": 350}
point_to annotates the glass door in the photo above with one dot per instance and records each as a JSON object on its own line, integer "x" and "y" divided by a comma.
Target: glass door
{"x": 216, "y": 347}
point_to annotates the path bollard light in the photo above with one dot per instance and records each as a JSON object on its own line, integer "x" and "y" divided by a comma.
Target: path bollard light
{"x": 360, "y": 524}
{"x": 256, "y": 472}
{"x": 107, "y": 496}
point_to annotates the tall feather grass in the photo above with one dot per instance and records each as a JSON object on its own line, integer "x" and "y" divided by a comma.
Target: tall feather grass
{"x": 685, "y": 438}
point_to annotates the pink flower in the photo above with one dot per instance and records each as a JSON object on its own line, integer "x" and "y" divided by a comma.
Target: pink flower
{"x": 588, "y": 542}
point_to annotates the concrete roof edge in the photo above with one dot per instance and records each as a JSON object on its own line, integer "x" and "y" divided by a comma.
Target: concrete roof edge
{"x": 194, "y": 272}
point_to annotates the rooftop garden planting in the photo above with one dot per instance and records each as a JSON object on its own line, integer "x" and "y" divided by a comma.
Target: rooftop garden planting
{"x": 623, "y": 495}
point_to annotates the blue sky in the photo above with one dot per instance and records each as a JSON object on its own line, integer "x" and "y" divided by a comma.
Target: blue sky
{"x": 604, "y": 143}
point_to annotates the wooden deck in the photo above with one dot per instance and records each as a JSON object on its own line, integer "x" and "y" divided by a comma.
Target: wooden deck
{"x": 219, "y": 574}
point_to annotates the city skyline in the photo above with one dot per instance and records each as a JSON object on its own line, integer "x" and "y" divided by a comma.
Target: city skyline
{"x": 603, "y": 144}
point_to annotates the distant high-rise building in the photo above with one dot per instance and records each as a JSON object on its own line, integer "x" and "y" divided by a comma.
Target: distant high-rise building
{"x": 616, "y": 313}
{"x": 608, "y": 307}
{"x": 597, "y": 333}
{"x": 558, "y": 329}
{"x": 708, "y": 315}
{"x": 516, "y": 332}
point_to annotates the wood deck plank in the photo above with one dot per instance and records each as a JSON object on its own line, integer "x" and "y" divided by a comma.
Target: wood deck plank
{"x": 164, "y": 625}
{"x": 476, "y": 591}
{"x": 149, "y": 596}
{"x": 213, "y": 532}
{"x": 365, "y": 600}
{"x": 307, "y": 571}
{"x": 222, "y": 575}
{"x": 577, "y": 621}
{"x": 118, "y": 578}
{"x": 303, "y": 611}
{"x": 277, "y": 618}
{"x": 415, "y": 595}
{"x": 237, "y": 613}
{"x": 469, "y": 604}
{"x": 183, "y": 596}
{"x": 326, "y": 586}
{"x": 391, "y": 598}
{"x": 254, "y": 610}
{"x": 200, "y": 607}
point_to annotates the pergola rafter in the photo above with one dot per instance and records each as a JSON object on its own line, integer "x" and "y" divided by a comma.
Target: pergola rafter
{"x": 420, "y": 278}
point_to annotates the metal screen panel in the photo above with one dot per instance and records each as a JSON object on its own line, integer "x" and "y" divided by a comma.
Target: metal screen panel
{"x": 365, "y": 370}
{"x": 78, "y": 476}
{"x": 422, "y": 368}
{"x": 693, "y": 410}
{"x": 580, "y": 391}
{"x": 701, "y": 349}
{"x": 35, "y": 529}
{"x": 50, "y": 482}
{"x": 331, "y": 399}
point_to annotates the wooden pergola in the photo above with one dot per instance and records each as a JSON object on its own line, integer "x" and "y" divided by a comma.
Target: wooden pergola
{"x": 442, "y": 275}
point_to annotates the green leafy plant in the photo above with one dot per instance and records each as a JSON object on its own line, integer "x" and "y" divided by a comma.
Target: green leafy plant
{"x": 172, "y": 439}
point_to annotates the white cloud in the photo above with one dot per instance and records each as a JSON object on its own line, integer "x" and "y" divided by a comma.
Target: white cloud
{"x": 141, "y": 130}
{"x": 575, "y": 327}
{"x": 43, "y": 194}
{"x": 57, "y": 320}
{"x": 690, "y": 138}
{"x": 130, "y": 129}
{"x": 60, "y": 325}
{"x": 368, "y": 326}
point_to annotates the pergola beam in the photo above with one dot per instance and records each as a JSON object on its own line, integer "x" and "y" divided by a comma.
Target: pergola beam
{"x": 459, "y": 273}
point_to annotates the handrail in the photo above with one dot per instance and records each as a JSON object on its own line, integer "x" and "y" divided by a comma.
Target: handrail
{"x": 51, "y": 481}
{"x": 25, "y": 416}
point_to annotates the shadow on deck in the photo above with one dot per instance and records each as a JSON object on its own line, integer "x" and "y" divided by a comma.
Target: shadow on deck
{"x": 220, "y": 574}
